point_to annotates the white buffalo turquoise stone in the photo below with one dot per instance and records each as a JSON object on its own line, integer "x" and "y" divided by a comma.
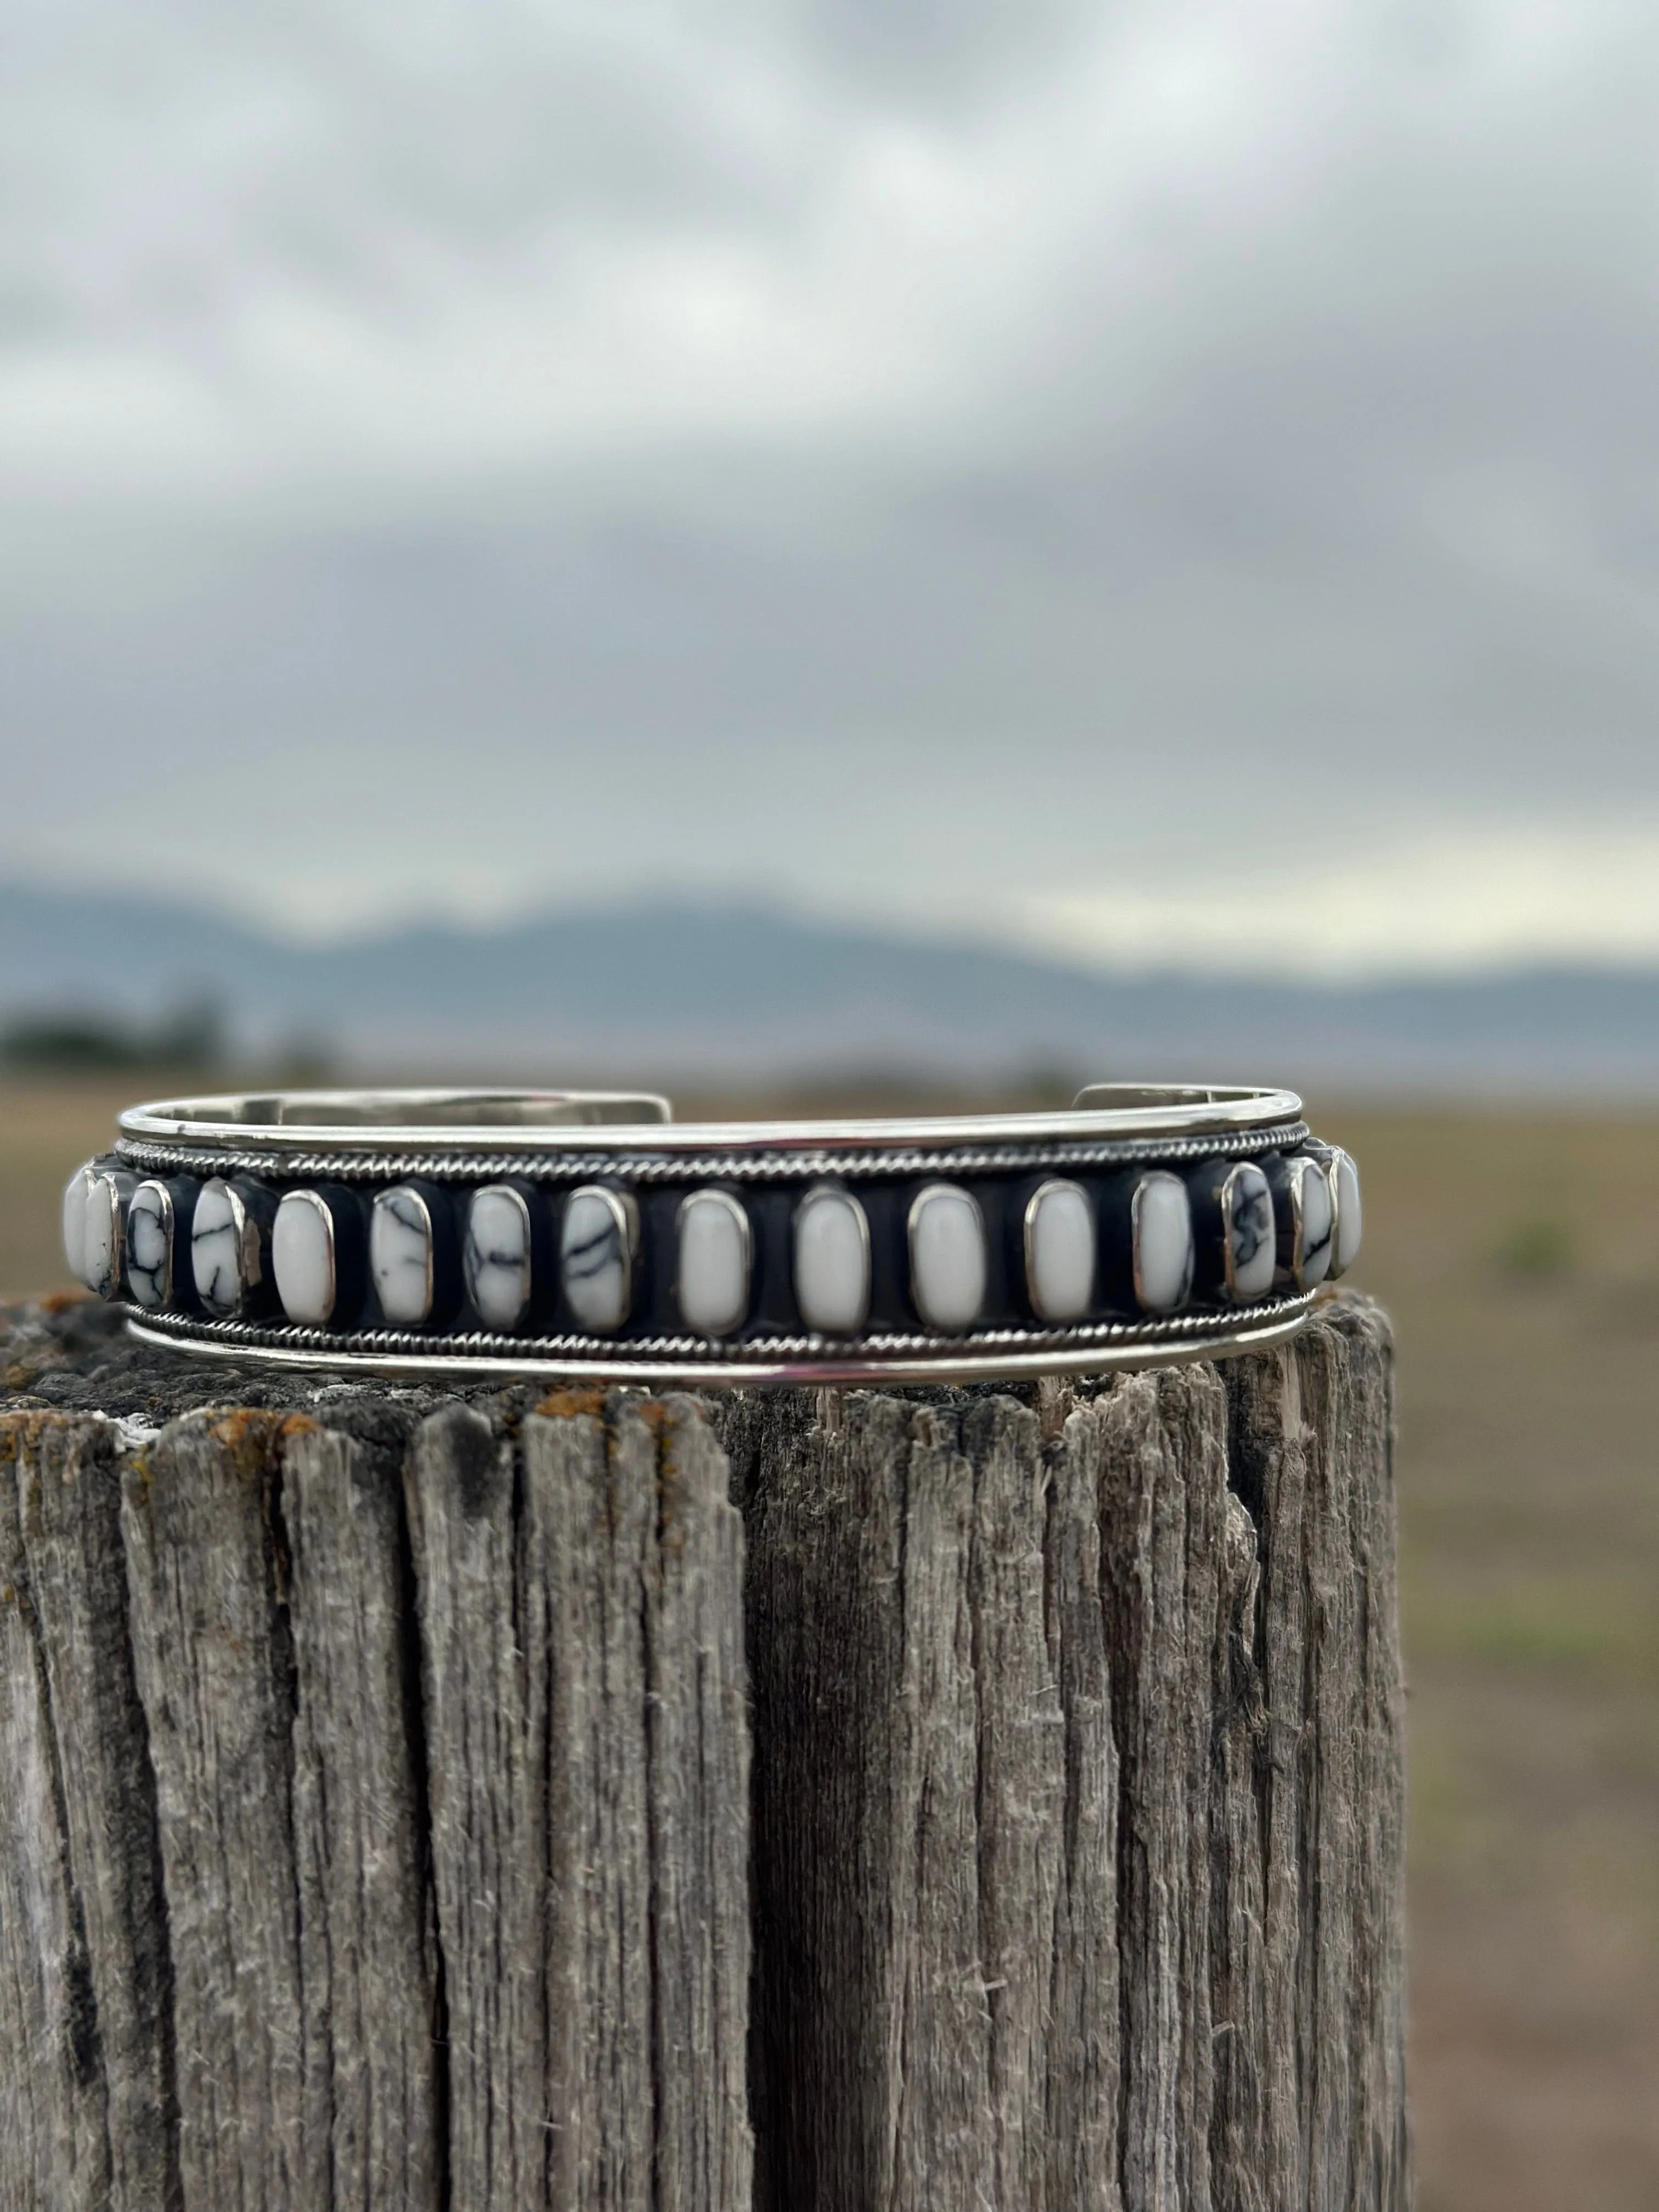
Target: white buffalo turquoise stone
{"x": 832, "y": 1261}
{"x": 495, "y": 1256}
{"x": 711, "y": 1285}
{"x": 1161, "y": 1229}
{"x": 77, "y": 1191}
{"x": 1059, "y": 1252}
{"x": 302, "y": 1257}
{"x": 1318, "y": 1217}
{"x": 1247, "y": 1205}
{"x": 105, "y": 1250}
{"x": 1349, "y": 1219}
{"x": 149, "y": 1245}
{"x": 216, "y": 1248}
{"x": 947, "y": 1256}
{"x": 596, "y": 1257}
{"x": 400, "y": 1254}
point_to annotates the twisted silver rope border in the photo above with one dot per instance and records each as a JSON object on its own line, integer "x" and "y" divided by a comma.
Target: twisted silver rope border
{"x": 783, "y": 1165}
{"x": 895, "y": 1356}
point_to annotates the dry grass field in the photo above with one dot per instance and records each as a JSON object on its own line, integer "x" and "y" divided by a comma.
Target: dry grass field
{"x": 1520, "y": 1256}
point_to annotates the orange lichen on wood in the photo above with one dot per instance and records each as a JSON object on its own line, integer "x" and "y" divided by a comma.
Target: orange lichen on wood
{"x": 559, "y": 1404}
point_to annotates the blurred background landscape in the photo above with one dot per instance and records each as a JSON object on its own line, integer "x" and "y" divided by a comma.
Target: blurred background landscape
{"x": 875, "y": 556}
{"x": 1517, "y": 1250}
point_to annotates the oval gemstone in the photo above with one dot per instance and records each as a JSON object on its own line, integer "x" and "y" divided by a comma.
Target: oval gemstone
{"x": 832, "y": 1261}
{"x": 77, "y": 1191}
{"x": 712, "y": 1283}
{"x": 1247, "y": 1208}
{"x": 302, "y": 1257}
{"x": 596, "y": 1257}
{"x": 947, "y": 1256}
{"x": 216, "y": 1248}
{"x": 1318, "y": 1216}
{"x": 1161, "y": 1229}
{"x": 400, "y": 1254}
{"x": 104, "y": 1252}
{"x": 1059, "y": 1252}
{"x": 1349, "y": 1214}
{"x": 495, "y": 1256}
{"x": 149, "y": 1245}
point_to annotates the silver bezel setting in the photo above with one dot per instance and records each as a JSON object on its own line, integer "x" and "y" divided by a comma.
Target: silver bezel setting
{"x": 382, "y": 1204}
{"x": 73, "y": 1219}
{"x": 166, "y": 1216}
{"x": 1293, "y": 1186}
{"x": 1339, "y": 1267}
{"x": 625, "y": 1212}
{"x": 919, "y": 1205}
{"x": 817, "y": 1194}
{"x": 119, "y": 1186}
{"x": 1033, "y": 1204}
{"x": 692, "y": 1200}
{"x": 1159, "y": 1175}
{"x": 1295, "y": 1178}
{"x": 498, "y": 1190}
{"x": 246, "y": 1244}
{"x": 320, "y": 1205}
{"x": 1229, "y": 1262}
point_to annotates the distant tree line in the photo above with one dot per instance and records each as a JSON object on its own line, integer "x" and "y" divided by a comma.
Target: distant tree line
{"x": 75, "y": 1042}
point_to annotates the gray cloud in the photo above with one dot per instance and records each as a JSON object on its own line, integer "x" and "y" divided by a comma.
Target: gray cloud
{"x": 908, "y": 456}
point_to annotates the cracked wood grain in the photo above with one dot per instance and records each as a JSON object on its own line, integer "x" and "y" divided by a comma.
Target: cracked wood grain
{"x": 378, "y": 1823}
{"x": 88, "y": 2109}
{"x": 1077, "y": 1809}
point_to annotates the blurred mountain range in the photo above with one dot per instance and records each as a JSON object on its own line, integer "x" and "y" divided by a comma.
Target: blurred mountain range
{"x": 703, "y": 992}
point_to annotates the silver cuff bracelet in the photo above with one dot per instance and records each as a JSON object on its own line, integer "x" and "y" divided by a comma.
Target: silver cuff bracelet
{"x": 586, "y": 1234}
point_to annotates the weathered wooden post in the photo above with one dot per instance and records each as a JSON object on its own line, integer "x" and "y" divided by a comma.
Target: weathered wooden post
{"x": 828, "y": 1799}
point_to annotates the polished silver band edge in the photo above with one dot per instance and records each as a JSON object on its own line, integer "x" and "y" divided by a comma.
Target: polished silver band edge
{"x": 996, "y": 1355}
{"x": 356, "y": 1120}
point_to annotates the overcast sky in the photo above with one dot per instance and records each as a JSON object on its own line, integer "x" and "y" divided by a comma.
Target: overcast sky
{"x": 1159, "y": 479}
